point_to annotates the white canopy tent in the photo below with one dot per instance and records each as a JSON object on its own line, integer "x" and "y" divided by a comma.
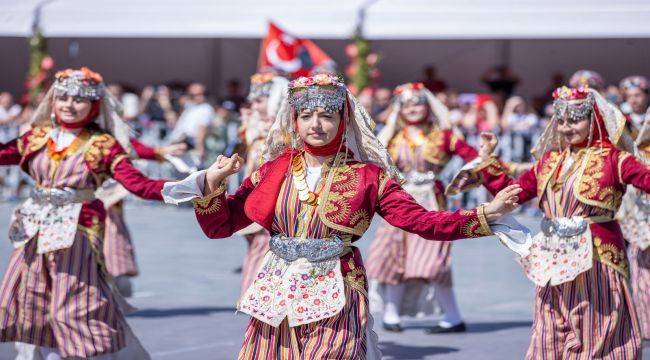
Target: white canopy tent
{"x": 333, "y": 19}
{"x": 153, "y": 41}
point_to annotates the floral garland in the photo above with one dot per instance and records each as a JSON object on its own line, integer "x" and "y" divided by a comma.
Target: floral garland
{"x": 362, "y": 70}
{"x": 318, "y": 80}
{"x": 40, "y": 65}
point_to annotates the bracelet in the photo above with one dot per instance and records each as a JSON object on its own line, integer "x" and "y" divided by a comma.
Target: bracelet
{"x": 482, "y": 219}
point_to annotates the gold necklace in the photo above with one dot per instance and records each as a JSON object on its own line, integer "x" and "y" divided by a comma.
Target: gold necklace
{"x": 299, "y": 172}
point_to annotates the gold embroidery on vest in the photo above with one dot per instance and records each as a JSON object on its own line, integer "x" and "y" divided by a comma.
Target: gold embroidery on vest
{"x": 611, "y": 255}
{"x": 336, "y": 208}
{"x": 546, "y": 171}
{"x": 99, "y": 147}
{"x": 434, "y": 151}
{"x": 621, "y": 157}
{"x": 356, "y": 278}
{"x": 35, "y": 140}
{"x": 588, "y": 190}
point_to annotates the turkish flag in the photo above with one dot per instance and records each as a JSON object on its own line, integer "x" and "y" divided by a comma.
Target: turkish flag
{"x": 289, "y": 54}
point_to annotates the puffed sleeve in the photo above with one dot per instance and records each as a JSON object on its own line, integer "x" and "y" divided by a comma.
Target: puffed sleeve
{"x": 106, "y": 157}
{"x": 633, "y": 172}
{"x": 219, "y": 215}
{"x": 493, "y": 175}
{"x": 399, "y": 208}
{"x": 458, "y": 146}
{"x": 144, "y": 151}
{"x": 9, "y": 153}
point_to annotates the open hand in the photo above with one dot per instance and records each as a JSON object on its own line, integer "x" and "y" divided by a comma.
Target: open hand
{"x": 503, "y": 203}
{"x": 489, "y": 142}
{"x": 174, "y": 149}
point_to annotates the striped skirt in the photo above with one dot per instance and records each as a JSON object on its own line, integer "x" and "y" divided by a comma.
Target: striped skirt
{"x": 119, "y": 251}
{"x": 396, "y": 256}
{"x": 591, "y": 317}
{"x": 258, "y": 245}
{"x": 340, "y": 337}
{"x": 640, "y": 280}
{"x": 60, "y": 300}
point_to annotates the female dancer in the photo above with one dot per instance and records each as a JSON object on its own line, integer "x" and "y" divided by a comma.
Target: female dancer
{"x": 420, "y": 149}
{"x": 635, "y": 211}
{"x": 325, "y": 177}
{"x": 266, "y": 93}
{"x": 583, "y": 306}
{"x": 56, "y": 293}
{"x": 119, "y": 251}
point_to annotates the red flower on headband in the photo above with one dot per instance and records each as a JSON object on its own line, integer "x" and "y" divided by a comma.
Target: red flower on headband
{"x": 571, "y": 93}
{"x": 408, "y": 87}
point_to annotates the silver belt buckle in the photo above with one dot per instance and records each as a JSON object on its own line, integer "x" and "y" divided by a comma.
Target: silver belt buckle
{"x": 54, "y": 196}
{"x": 564, "y": 227}
{"x": 314, "y": 250}
{"x": 421, "y": 178}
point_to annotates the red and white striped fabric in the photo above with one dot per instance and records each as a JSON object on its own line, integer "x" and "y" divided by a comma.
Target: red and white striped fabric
{"x": 591, "y": 317}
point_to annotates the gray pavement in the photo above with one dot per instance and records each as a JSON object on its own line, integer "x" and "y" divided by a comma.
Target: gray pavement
{"x": 187, "y": 290}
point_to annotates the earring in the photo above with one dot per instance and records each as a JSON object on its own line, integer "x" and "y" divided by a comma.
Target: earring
{"x": 53, "y": 119}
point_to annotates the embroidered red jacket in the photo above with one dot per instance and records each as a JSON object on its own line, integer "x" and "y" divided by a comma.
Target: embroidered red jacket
{"x": 104, "y": 157}
{"x": 358, "y": 191}
{"x": 601, "y": 183}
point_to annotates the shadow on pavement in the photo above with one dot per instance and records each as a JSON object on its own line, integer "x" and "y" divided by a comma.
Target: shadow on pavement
{"x": 154, "y": 313}
{"x": 482, "y": 327}
{"x": 391, "y": 350}
{"x": 496, "y": 326}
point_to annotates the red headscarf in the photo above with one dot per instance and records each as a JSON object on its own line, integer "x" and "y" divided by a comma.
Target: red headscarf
{"x": 600, "y": 136}
{"x": 333, "y": 146}
{"x": 92, "y": 114}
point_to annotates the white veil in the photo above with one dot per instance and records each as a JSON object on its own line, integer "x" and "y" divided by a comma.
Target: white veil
{"x": 613, "y": 119}
{"x": 108, "y": 120}
{"x": 359, "y": 136}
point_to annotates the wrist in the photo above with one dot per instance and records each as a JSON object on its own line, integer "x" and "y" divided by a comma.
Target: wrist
{"x": 212, "y": 183}
{"x": 485, "y": 210}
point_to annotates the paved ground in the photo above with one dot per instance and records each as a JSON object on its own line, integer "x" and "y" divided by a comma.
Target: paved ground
{"x": 187, "y": 290}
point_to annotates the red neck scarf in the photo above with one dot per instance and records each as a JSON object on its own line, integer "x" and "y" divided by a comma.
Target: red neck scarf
{"x": 94, "y": 111}
{"x": 600, "y": 136}
{"x": 332, "y": 147}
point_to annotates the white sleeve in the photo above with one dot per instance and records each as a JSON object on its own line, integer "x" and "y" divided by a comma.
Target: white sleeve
{"x": 191, "y": 187}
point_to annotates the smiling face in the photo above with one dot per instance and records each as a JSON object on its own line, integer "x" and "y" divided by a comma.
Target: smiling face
{"x": 260, "y": 105}
{"x": 318, "y": 127}
{"x": 574, "y": 131}
{"x": 638, "y": 99}
{"x": 71, "y": 109}
{"x": 414, "y": 112}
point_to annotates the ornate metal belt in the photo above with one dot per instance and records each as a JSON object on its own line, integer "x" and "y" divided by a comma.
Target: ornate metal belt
{"x": 420, "y": 178}
{"x": 314, "y": 250}
{"x": 564, "y": 227}
{"x": 60, "y": 197}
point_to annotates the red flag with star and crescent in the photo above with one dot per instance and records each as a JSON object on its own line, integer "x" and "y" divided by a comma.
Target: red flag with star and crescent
{"x": 291, "y": 55}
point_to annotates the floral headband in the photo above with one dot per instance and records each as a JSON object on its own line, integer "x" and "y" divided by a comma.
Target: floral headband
{"x": 322, "y": 90}
{"x": 83, "y": 83}
{"x": 575, "y": 103}
{"x": 410, "y": 92}
{"x": 635, "y": 82}
{"x": 261, "y": 84}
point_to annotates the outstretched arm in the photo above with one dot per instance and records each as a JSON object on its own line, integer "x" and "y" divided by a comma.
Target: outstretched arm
{"x": 9, "y": 154}
{"x": 219, "y": 215}
{"x": 633, "y": 172}
{"x": 137, "y": 183}
{"x": 400, "y": 209}
{"x": 457, "y": 146}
